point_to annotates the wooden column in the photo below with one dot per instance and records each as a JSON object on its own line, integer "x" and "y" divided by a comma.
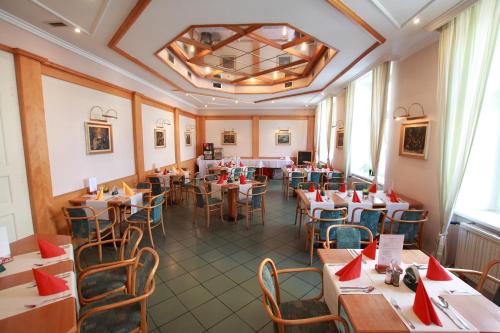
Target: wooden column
{"x": 177, "y": 138}
{"x": 138, "y": 140}
{"x": 255, "y": 137}
{"x": 200, "y": 134}
{"x": 310, "y": 134}
{"x": 36, "y": 152}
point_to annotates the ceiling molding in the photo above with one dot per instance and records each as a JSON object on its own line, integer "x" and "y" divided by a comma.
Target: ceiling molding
{"x": 449, "y": 15}
{"x": 393, "y": 20}
{"x": 14, "y": 20}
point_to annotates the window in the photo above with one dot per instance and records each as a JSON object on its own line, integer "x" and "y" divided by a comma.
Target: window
{"x": 323, "y": 114}
{"x": 360, "y": 135}
{"x": 479, "y": 194}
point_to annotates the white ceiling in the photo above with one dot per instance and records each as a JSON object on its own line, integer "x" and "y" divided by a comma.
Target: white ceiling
{"x": 163, "y": 20}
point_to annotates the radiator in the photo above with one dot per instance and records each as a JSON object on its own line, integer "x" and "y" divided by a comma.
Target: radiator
{"x": 476, "y": 246}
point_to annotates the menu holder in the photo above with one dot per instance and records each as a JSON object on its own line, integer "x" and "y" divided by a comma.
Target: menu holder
{"x": 389, "y": 251}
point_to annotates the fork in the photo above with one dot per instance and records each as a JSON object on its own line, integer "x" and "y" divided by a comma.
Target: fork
{"x": 31, "y": 306}
{"x": 366, "y": 290}
{"x": 50, "y": 262}
{"x": 398, "y": 308}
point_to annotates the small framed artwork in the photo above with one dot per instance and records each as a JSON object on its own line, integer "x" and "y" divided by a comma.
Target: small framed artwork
{"x": 228, "y": 138}
{"x": 187, "y": 138}
{"x": 283, "y": 138}
{"x": 340, "y": 140}
{"x": 160, "y": 138}
{"x": 414, "y": 139}
{"x": 99, "y": 138}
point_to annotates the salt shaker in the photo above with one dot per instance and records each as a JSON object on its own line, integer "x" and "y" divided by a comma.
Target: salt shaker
{"x": 388, "y": 275}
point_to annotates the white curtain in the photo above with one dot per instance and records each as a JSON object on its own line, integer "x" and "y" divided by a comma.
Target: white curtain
{"x": 380, "y": 89}
{"x": 466, "y": 49}
{"x": 328, "y": 129}
{"x": 317, "y": 122}
{"x": 349, "y": 107}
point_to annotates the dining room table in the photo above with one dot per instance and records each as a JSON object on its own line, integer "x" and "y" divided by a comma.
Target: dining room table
{"x": 47, "y": 314}
{"x": 375, "y": 311}
{"x": 232, "y": 192}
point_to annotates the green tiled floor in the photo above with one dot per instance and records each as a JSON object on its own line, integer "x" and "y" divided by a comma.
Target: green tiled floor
{"x": 206, "y": 281}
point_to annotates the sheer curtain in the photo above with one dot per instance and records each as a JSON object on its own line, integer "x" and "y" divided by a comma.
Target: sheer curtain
{"x": 380, "y": 89}
{"x": 328, "y": 129}
{"x": 349, "y": 107}
{"x": 466, "y": 48}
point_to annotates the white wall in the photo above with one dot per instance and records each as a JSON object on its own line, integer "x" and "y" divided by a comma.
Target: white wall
{"x": 243, "y": 128}
{"x": 258, "y": 112}
{"x": 267, "y": 142}
{"x": 67, "y": 108}
{"x": 414, "y": 79}
{"x": 157, "y": 156}
{"x": 187, "y": 152}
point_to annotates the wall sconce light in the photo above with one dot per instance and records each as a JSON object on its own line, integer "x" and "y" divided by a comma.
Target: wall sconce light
{"x": 111, "y": 114}
{"x": 283, "y": 130}
{"x": 162, "y": 123}
{"x": 406, "y": 114}
{"x": 190, "y": 129}
{"x": 98, "y": 114}
{"x": 339, "y": 124}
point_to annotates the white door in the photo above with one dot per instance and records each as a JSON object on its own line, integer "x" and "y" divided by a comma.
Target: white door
{"x": 15, "y": 210}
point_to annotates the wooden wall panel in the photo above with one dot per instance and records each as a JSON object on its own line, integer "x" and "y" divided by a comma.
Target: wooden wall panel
{"x": 138, "y": 139}
{"x": 200, "y": 134}
{"x": 255, "y": 137}
{"x": 310, "y": 134}
{"x": 177, "y": 138}
{"x": 32, "y": 113}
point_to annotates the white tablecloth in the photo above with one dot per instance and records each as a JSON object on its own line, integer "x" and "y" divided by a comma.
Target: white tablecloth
{"x": 99, "y": 205}
{"x": 242, "y": 188}
{"x": 365, "y": 203}
{"x": 261, "y": 163}
{"x": 326, "y": 203}
{"x": 392, "y": 206}
{"x": 403, "y": 295}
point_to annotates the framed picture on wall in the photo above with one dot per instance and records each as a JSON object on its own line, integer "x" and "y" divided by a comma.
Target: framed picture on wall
{"x": 340, "y": 139}
{"x": 228, "y": 138}
{"x": 99, "y": 138}
{"x": 187, "y": 138}
{"x": 283, "y": 138}
{"x": 160, "y": 138}
{"x": 414, "y": 139}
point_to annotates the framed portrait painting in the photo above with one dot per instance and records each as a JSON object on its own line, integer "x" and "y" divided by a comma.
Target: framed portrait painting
{"x": 414, "y": 139}
{"x": 228, "y": 138}
{"x": 187, "y": 139}
{"x": 340, "y": 140}
{"x": 99, "y": 138}
{"x": 283, "y": 138}
{"x": 160, "y": 136}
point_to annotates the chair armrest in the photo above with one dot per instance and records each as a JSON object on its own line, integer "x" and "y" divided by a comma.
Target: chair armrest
{"x": 89, "y": 245}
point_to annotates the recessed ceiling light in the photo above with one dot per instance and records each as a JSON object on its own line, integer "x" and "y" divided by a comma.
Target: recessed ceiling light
{"x": 416, "y": 20}
{"x": 213, "y": 98}
{"x": 272, "y": 102}
{"x": 322, "y": 93}
{"x": 275, "y": 75}
{"x": 77, "y": 30}
{"x": 307, "y": 105}
{"x": 191, "y": 48}
{"x": 284, "y": 32}
{"x": 187, "y": 94}
{"x": 303, "y": 46}
{"x": 206, "y": 106}
{"x": 236, "y": 102}
{"x": 252, "y": 79}
{"x": 207, "y": 69}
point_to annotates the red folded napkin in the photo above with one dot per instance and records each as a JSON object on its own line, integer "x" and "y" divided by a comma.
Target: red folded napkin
{"x": 371, "y": 250}
{"x": 293, "y": 167}
{"x": 331, "y": 168}
{"x": 351, "y": 271}
{"x": 220, "y": 163}
{"x": 49, "y": 250}
{"x": 373, "y": 188}
{"x": 342, "y": 188}
{"x": 393, "y": 196}
{"x": 355, "y": 197}
{"x": 422, "y": 306}
{"x": 221, "y": 180}
{"x": 241, "y": 165}
{"x": 230, "y": 164}
{"x": 48, "y": 284}
{"x": 318, "y": 197}
{"x": 311, "y": 188}
{"x": 312, "y": 167}
{"x": 243, "y": 180}
{"x": 165, "y": 172}
{"x": 436, "y": 272}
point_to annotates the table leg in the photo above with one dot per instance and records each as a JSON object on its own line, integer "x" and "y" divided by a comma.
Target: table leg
{"x": 232, "y": 209}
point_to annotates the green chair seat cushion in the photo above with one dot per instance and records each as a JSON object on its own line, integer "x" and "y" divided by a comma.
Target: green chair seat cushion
{"x": 300, "y": 309}
{"x": 122, "y": 319}
{"x": 142, "y": 216}
{"x": 245, "y": 201}
{"x": 214, "y": 201}
{"x": 101, "y": 282}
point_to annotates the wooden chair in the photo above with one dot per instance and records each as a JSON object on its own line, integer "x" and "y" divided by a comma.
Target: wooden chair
{"x": 123, "y": 312}
{"x": 205, "y": 202}
{"x": 334, "y": 177}
{"x": 372, "y": 218}
{"x": 321, "y": 219}
{"x": 332, "y": 186}
{"x": 309, "y": 315}
{"x": 149, "y": 216}
{"x": 210, "y": 177}
{"x": 315, "y": 176}
{"x": 360, "y": 186}
{"x": 158, "y": 187}
{"x": 347, "y": 236}
{"x": 104, "y": 283}
{"x": 410, "y": 224}
{"x": 250, "y": 173}
{"x": 293, "y": 181}
{"x": 253, "y": 201}
{"x": 145, "y": 186}
{"x": 187, "y": 187}
{"x": 261, "y": 179}
{"x": 483, "y": 277}
{"x": 85, "y": 223}
{"x": 300, "y": 210}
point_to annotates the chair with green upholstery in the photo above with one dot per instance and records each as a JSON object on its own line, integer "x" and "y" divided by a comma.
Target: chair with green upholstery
{"x": 208, "y": 204}
{"x": 360, "y": 186}
{"x": 253, "y": 200}
{"x": 297, "y": 316}
{"x": 89, "y": 226}
{"x": 210, "y": 177}
{"x": 149, "y": 216}
{"x": 145, "y": 186}
{"x": 332, "y": 186}
{"x": 122, "y": 312}
{"x": 261, "y": 179}
{"x": 347, "y": 236}
{"x": 321, "y": 219}
{"x": 188, "y": 185}
{"x": 315, "y": 176}
{"x": 372, "y": 218}
{"x": 305, "y": 185}
{"x": 104, "y": 283}
{"x": 293, "y": 181}
{"x": 250, "y": 173}
{"x": 410, "y": 224}
{"x": 236, "y": 172}
{"x": 300, "y": 210}
{"x": 334, "y": 177}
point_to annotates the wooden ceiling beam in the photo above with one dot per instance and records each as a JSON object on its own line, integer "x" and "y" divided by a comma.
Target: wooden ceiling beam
{"x": 296, "y": 41}
{"x": 318, "y": 53}
{"x": 195, "y": 43}
{"x": 294, "y": 63}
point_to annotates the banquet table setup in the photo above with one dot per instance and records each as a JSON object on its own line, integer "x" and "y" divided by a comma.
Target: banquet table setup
{"x": 204, "y": 165}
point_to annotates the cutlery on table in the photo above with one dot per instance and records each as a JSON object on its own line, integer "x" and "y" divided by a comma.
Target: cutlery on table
{"x": 463, "y": 292}
{"x": 50, "y": 262}
{"x": 62, "y": 276}
{"x": 398, "y": 308}
{"x": 443, "y": 310}
{"x": 444, "y": 304}
{"x": 420, "y": 266}
{"x": 31, "y": 306}
{"x": 366, "y": 290}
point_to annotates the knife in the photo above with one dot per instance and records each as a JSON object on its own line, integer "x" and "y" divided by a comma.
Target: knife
{"x": 436, "y": 303}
